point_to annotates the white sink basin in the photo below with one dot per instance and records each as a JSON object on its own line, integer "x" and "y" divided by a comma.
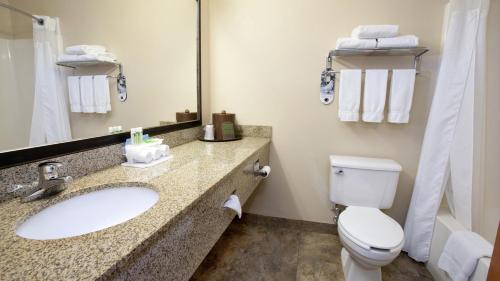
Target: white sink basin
{"x": 88, "y": 213}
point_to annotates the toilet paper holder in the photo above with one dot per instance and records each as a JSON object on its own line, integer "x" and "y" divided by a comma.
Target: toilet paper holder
{"x": 261, "y": 171}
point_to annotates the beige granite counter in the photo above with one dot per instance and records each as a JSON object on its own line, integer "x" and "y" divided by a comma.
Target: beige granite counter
{"x": 195, "y": 168}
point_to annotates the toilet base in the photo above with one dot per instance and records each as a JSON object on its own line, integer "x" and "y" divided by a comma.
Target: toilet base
{"x": 355, "y": 272}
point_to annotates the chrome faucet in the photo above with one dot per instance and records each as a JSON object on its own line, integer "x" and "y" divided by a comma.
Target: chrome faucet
{"x": 49, "y": 183}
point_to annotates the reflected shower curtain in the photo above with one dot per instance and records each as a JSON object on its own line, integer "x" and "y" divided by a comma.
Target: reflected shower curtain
{"x": 448, "y": 141}
{"x": 50, "y": 121}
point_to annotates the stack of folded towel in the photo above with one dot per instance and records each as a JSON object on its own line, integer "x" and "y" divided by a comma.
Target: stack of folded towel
{"x": 377, "y": 37}
{"x": 87, "y": 53}
{"x": 89, "y": 94}
{"x": 147, "y": 152}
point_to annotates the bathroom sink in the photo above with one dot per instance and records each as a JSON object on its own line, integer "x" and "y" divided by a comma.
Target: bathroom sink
{"x": 88, "y": 213}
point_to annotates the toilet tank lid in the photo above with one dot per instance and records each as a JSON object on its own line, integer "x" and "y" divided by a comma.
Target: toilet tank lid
{"x": 364, "y": 163}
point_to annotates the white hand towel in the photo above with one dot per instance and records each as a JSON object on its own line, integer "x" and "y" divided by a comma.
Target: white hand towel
{"x": 87, "y": 94}
{"x": 461, "y": 254}
{"x": 354, "y": 43}
{"x": 407, "y": 41}
{"x": 349, "y": 95}
{"x": 101, "y": 94}
{"x": 402, "y": 85}
{"x": 74, "y": 93}
{"x": 85, "y": 49}
{"x": 375, "y": 31}
{"x": 375, "y": 93}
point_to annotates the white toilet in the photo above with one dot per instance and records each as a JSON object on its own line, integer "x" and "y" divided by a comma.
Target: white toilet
{"x": 371, "y": 239}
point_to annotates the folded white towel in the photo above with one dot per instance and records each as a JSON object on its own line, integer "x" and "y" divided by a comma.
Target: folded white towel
{"x": 406, "y": 41}
{"x": 354, "y": 43}
{"x": 87, "y": 94}
{"x": 375, "y": 31}
{"x": 374, "y": 95}
{"x": 109, "y": 57}
{"x": 349, "y": 94}
{"x": 461, "y": 254}
{"x": 74, "y": 93}
{"x": 402, "y": 85}
{"x": 101, "y": 94}
{"x": 85, "y": 49}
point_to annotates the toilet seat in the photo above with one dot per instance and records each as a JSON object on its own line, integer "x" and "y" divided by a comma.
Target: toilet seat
{"x": 370, "y": 228}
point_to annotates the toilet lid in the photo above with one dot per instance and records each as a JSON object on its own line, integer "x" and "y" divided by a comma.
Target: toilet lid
{"x": 371, "y": 227}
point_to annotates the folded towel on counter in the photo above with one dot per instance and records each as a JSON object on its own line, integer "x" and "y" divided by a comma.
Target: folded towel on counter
{"x": 109, "y": 57}
{"x": 85, "y": 50}
{"x": 375, "y": 94}
{"x": 74, "y": 93}
{"x": 349, "y": 95}
{"x": 406, "y": 41}
{"x": 87, "y": 94}
{"x": 461, "y": 254}
{"x": 354, "y": 43}
{"x": 375, "y": 31}
{"x": 402, "y": 85}
{"x": 101, "y": 94}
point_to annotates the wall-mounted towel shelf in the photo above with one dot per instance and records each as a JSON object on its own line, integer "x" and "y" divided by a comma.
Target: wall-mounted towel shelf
{"x": 415, "y": 52}
{"x": 328, "y": 75}
{"x": 121, "y": 82}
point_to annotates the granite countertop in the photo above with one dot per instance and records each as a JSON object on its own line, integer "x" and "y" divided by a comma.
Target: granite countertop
{"x": 195, "y": 168}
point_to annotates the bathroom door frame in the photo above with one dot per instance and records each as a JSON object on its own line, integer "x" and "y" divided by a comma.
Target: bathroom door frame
{"x": 21, "y": 156}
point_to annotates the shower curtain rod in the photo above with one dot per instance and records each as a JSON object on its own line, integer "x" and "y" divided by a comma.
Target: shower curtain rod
{"x": 38, "y": 20}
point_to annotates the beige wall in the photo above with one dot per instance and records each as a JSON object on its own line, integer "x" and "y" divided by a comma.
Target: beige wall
{"x": 491, "y": 210}
{"x": 265, "y": 59}
{"x": 5, "y": 22}
{"x": 155, "y": 41}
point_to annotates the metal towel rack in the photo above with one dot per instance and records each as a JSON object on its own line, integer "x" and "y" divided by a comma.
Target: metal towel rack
{"x": 329, "y": 74}
{"x": 121, "y": 81}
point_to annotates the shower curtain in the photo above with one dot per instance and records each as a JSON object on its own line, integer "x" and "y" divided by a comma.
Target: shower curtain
{"x": 448, "y": 146}
{"x": 50, "y": 120}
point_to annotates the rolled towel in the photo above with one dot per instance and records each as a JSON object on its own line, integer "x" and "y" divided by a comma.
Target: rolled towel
{"x": 139, "y": 156}
{"x": 354, "y": 43}
{"x": 375, "y": 31}
{"x": 406, "y": 41}
{"x": 85, "y": 49}
{"x": 461, "y": 254}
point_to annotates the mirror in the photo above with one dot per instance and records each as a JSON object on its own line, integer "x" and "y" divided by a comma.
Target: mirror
{"x": 52, "y": 94}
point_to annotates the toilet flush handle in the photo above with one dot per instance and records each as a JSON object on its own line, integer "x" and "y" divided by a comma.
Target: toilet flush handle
{"x": 339, "y": 172}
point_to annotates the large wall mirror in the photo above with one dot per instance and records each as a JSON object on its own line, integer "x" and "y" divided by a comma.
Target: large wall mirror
{"x": 51, "y": 94}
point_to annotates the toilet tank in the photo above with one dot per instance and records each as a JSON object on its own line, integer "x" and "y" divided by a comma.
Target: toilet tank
{"x": 361, "y": 181}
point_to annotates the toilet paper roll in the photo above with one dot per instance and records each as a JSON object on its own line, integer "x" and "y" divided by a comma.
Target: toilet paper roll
{"x": 265, "y": 171}
{"x": 233, "y": 203}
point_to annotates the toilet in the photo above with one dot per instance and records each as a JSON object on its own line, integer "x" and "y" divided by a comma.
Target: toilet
{"x": 370, "y": 238}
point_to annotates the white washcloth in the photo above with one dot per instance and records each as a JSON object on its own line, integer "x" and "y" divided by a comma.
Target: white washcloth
{"x": 375, "y": 31}
{"x": 140, "y": 156}
{"x": 406, "y": 41}
{"x": 74, "y": 93}
{"x": 349, "y": 95}
{"x": 85, "y": 49}
{"x": 402, "y": 85}
{"x": 108, "y": 57}
{"x": 101, "y": 94}
{"x": 354, "y": 43}
{"x": 87, "y": 94}
{"x": 461, "y": 254}
{"x": 375, "y": 93}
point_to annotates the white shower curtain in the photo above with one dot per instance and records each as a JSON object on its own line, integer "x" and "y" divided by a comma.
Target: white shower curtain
{"x": 448, "y": 142}
{"x": 50, "y": 121}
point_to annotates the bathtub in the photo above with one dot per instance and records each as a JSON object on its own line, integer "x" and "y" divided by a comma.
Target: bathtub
{"x": 445, "y": 225}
